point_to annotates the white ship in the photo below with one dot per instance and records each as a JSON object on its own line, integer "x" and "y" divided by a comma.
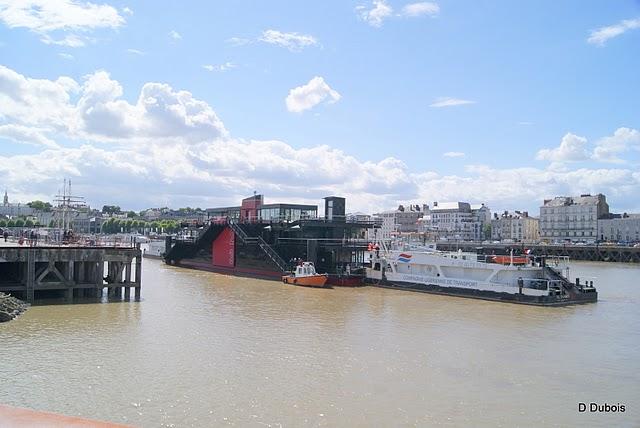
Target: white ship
{"x": 531, "y": 281}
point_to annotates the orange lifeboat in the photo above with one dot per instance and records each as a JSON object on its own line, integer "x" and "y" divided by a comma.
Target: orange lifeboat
{"x": 305, "y": 275}
{"x": 507, "y": 260}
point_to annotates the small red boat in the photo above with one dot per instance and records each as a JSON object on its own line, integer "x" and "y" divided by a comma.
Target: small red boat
{"x": 305, "y": 275}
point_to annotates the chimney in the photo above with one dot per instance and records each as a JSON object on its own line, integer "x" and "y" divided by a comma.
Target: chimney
{"x": 435, "y": 203}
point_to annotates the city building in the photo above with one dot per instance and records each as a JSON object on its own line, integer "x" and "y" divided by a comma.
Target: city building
{"x": 86, "y": 222}
{"x": 572, "y": 218}
{"x": 517, "y": 226}
{"x": 398, "y": 221}
{"x": 456, "y": 220}
{"x": 254, "y": 209}
{"x": 14, "y": 210}
{"x": 623, "y": 228}
{"x": 481, "y": 221}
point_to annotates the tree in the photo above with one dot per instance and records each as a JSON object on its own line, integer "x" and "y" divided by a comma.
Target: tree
{"x": 131, "y": 214}
{"x": 40, "y": 206}
{"x": 29, "y": 223}
{"x": 11, "y": 223}
{"x": 487, "y": 231}
{"x": 111, "y": 209}
{"x": 3, "y": 223}
{"x": 19, "y": 222}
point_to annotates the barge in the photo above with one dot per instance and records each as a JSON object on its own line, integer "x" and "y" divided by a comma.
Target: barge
{"x": 269, "y": 240}
{"x": 468, "y": 275}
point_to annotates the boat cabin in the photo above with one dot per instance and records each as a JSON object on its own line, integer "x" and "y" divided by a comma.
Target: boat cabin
{"x": 305, "y": 269}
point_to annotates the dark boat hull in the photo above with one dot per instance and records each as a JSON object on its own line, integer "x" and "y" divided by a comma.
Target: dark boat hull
{"x": 565, "y": 300}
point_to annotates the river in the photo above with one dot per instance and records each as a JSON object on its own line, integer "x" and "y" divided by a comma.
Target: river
{"x": 203, "y": 349}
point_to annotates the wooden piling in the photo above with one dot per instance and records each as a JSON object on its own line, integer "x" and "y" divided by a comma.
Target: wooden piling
{"x": 70, "y": 271}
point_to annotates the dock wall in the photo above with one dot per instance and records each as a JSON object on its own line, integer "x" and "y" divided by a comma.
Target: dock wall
{"x": 71, "y": 272}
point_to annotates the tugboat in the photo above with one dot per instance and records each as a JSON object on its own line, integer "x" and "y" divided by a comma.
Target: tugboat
{"x": 305, "y": 275}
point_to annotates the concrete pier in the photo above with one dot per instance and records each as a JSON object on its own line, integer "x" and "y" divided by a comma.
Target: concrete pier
{"x": 70, "y": 272}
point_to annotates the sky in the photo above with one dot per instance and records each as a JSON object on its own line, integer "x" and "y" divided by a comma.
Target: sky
{"x": 384, "y": 102}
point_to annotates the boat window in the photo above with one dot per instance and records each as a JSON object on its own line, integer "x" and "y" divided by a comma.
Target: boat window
{"x": 376, "y": 266}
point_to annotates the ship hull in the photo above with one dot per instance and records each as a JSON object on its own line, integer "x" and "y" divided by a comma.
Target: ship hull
{"x": 522, "y": 299}
{"x": 316, "y": 281}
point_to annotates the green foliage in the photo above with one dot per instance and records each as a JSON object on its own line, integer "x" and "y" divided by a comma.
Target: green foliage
{"x": 487, "y": 231}
{"x": 19, "y": 222}
{"x": 40, "y": 206}
{"x": 131, "y": 214}
{"x": 111, "y": 209}
{"x": 29, "y": 223}
{"x": 3, "y": 223}
{"x": 11, "y": 223}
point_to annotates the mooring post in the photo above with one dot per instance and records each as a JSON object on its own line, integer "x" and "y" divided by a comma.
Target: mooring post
{"x": 138, "y": 275}
{"x": 69, "y": 281}
{"x": 98, "y": 277}
{"x": 30, "y": 276}
{"x": 127, "y": 288}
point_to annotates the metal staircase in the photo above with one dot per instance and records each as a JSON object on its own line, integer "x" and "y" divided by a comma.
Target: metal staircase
{"x": 272, "y": 254}
{"x": 264, "y": 246}
{"x": 185, "y": 249}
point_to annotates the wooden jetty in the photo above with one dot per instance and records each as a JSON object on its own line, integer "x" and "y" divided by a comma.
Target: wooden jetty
{"x": 35, "y": 273}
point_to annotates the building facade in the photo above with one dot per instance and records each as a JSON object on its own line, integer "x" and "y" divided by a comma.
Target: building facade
{"x": 517, "y": 226}
{"x": 626, "y": 228}
{"x": 481, "y": 217}
{"x": 398, "y": 221}
{"x": 254, "y": 209}
{"x": 14, "y": 210}
{"x": 572, "y": 218}
{"x": 456, "y": 220}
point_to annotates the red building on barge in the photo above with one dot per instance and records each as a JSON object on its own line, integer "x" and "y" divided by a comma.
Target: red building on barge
{"x": 267, "y": 240}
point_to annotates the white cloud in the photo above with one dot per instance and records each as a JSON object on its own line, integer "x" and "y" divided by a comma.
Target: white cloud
{"x": 453, "y": 155}
{"x": 66, "y": 56}
{"x": 238, "y": 41}
{"x": 308, "y": 96}
{"x": 449, "y": 102}
{"x": 100, "y": 114}
{"x": 220, "y": 67}
{"x": 609, "y": 148}
{"x": 376, "y": 14}
{"x": 421, "y": 9}
{"x": 127, "y": 11}
{"x": 602, "y": 35}
{"x": 293, "y": 41}
{"x": 168, "y": 148}
{"x": 135, "y": 52}
{"x": 50, "y": 17}
{"x": 26, "y": 135}
{"x": 572, "y": 148}
{"x": 175, "y": 35}
{"x": 36, "y": 102}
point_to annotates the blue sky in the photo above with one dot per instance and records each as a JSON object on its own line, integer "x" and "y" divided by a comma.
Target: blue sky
{"x": 499, "y": 102}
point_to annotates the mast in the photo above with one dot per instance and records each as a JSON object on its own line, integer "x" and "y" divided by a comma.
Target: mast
{"x": 67, "y": 203}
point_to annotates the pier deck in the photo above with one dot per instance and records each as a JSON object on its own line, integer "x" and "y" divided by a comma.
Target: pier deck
{"x": 31, "y": 273}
